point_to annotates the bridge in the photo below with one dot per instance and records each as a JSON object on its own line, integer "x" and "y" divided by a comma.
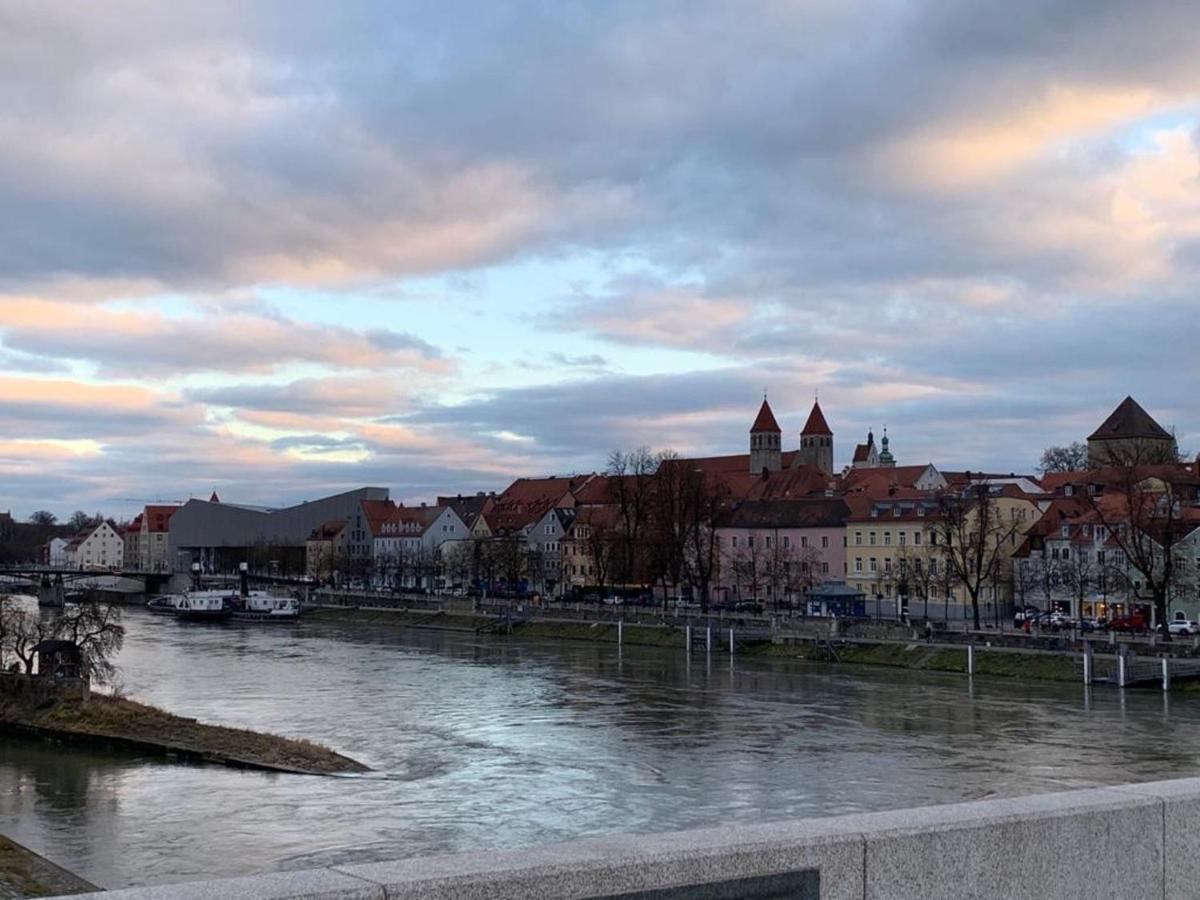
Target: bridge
{"x": 50, "y": 582}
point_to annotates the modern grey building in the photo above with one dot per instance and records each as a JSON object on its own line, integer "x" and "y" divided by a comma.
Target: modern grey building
{"x": 219, "y": 535}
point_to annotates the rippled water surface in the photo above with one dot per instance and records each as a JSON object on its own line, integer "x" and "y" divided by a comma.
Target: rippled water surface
{"x": 492, "y": 742}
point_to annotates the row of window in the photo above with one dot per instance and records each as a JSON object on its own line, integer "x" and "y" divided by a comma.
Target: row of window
{"x": 902, "y": 565}
{"x": 787, "y": 541}
{"x": 901, "y": 537}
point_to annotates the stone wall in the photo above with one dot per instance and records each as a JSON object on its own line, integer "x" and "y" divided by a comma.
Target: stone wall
{"x": 36, "y": 689}
{"x": 1133, "y": 841}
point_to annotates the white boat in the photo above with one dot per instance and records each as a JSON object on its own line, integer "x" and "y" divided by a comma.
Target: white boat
{"x": 259, "y": 606}
{"x": 163, "y": 605}
{"x": 203, "y": 606}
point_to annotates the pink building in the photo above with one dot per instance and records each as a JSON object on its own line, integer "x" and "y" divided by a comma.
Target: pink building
{"x": 773, "y": 551}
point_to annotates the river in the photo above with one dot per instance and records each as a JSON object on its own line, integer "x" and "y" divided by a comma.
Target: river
{"x": 497, "y": 742}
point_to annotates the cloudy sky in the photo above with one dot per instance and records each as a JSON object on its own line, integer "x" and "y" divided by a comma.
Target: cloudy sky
{"x": 282, "y": 249}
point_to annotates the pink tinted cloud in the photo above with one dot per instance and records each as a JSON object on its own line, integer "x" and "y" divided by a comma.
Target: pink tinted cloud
{"x": 148, "y": 342}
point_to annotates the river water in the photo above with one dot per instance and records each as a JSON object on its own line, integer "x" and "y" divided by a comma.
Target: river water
{"x": 496, "y": 742}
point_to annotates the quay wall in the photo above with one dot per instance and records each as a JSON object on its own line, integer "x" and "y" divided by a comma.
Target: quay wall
{"x": 1131, "y": 841}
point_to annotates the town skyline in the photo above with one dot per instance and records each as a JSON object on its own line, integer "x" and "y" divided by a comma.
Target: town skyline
{"x": 280, "y": 259}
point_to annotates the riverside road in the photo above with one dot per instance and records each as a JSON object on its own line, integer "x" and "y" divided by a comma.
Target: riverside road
{"x": 485, "y": 741}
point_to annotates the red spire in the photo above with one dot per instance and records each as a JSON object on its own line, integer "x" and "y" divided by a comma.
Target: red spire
{"x": 766, "y": 420}
{"x": 816, "y": 423}
{"x": 214, "y": 498}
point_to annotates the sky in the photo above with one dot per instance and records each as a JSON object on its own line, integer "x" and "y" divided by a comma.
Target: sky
{"x": 282, "y": 249}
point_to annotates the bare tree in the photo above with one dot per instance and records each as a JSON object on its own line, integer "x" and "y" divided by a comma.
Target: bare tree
{"x": 1071, "y": 458}
{"x": 631, "y": 478}
{"x": 973, "y": 536}
{"x": 95, "y": 628}
{"x": 43, "y": 517}
{"x": 1140, "y": 509}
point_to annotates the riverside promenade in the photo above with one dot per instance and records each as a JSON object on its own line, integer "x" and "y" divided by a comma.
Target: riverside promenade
{"x": 1131, "y": 842}
{"x": 1096, "y": 658}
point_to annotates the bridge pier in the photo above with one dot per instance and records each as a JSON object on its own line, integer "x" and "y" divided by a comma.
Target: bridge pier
{"x": 51, "y": 593}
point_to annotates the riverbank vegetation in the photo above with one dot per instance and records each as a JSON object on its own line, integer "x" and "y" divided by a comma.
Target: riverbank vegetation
{"x": 1045, "y": 666}
{"x": 116, "y": 721}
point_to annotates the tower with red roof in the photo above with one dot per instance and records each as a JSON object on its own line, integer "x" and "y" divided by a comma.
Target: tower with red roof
{"x": 816, "y": 442}
{"x": 766, "y": 438}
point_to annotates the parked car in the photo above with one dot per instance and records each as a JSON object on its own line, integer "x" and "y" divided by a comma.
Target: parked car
{"x": 1028, "y": 613}
{"x": 1089, "y": 624}
{"x": 613, "y": 600}
{"x": 749, "y": 607}
{"x": 1060, "y": 621}
{"x": 1183, "y": 626}
{"x": 1134, "y": 623}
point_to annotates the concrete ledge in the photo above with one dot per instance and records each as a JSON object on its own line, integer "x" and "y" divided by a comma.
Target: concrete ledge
{"x": 1138, "y": 841}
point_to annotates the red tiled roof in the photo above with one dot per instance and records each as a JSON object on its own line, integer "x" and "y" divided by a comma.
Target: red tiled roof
{"x": 376, "y": 512}
{"x": 1129, "y": 420}
{"x": 878, "y": 479}
{"x": 327, "y": 530}
{"x": 815, "y": 513}
{"x": 528, "y": 499}
{"x": 765, "y": 421}
{"x": 862, "y": 452}
{"x": 736, "y": 464}
{"x": 158, "y": 518}
{"x": 816, "y": 423}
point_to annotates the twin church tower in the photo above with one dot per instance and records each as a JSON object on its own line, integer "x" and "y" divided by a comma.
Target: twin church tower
{"x": 766, "y": 437}
{"x": 816, "y": 445}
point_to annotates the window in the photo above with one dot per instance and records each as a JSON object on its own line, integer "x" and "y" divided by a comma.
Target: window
{"x": 768, "y": 541}
{"x": 858, "y": 564}
{"x": 872, "y": 538}
{"x": 1069, "y": 490}
{"x": 921, "y": 511}
{"x": 902, "y": 538}
{"x": 858, "y": 538}
{"x": 874, "y": 567}
{"x": 1066, "y": 530}
{"x": 1066, "y": 553}
{"x": 803, "y": 540}
{"x": 887, "y": 565}
{"x": 887, "y": 539}
{"x": 896, "y": 512}
{"x": 824, "y": 542}
{"x": 933, "y": 567}
{"x": 750, "y": 540}
{"x": 787, "y": 542}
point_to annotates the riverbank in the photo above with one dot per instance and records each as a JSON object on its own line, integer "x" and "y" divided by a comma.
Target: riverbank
{"x": 117, "y": 722}
{"x": 24, "y": 873}
{"x": 915, "y": 655}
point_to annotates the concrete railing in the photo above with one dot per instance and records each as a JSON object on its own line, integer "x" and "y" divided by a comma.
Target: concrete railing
{"x": 1135, "y": 841}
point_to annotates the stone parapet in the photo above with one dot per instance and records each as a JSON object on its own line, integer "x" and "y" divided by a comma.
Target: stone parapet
{"x": 1133, "y": 841}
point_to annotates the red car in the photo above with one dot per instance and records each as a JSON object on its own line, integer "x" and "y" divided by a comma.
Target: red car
{"x": 1134, "y": 622}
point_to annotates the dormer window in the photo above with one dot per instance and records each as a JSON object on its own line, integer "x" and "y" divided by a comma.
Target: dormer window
{"x": 1066, "y": 530}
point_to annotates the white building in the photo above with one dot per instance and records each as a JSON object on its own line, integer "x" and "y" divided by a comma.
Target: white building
{"x": 57, "y": 556}
{"x": 101, "y": 548}
{"x": 406, "y": 546}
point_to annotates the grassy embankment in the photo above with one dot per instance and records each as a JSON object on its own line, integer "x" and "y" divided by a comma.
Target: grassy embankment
{"x": 25, "y": 874}
{"x": 115, "y": 721}
{"x": 1038, "y": 667}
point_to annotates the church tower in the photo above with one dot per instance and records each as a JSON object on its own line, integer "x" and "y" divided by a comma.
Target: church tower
{"x": 816, "y": 442}
{"x": 886, "y": 460}
{"x": 765, "y": 442}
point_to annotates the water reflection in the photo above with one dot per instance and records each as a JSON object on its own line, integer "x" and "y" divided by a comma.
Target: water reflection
{"x": 487, "y": 741}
